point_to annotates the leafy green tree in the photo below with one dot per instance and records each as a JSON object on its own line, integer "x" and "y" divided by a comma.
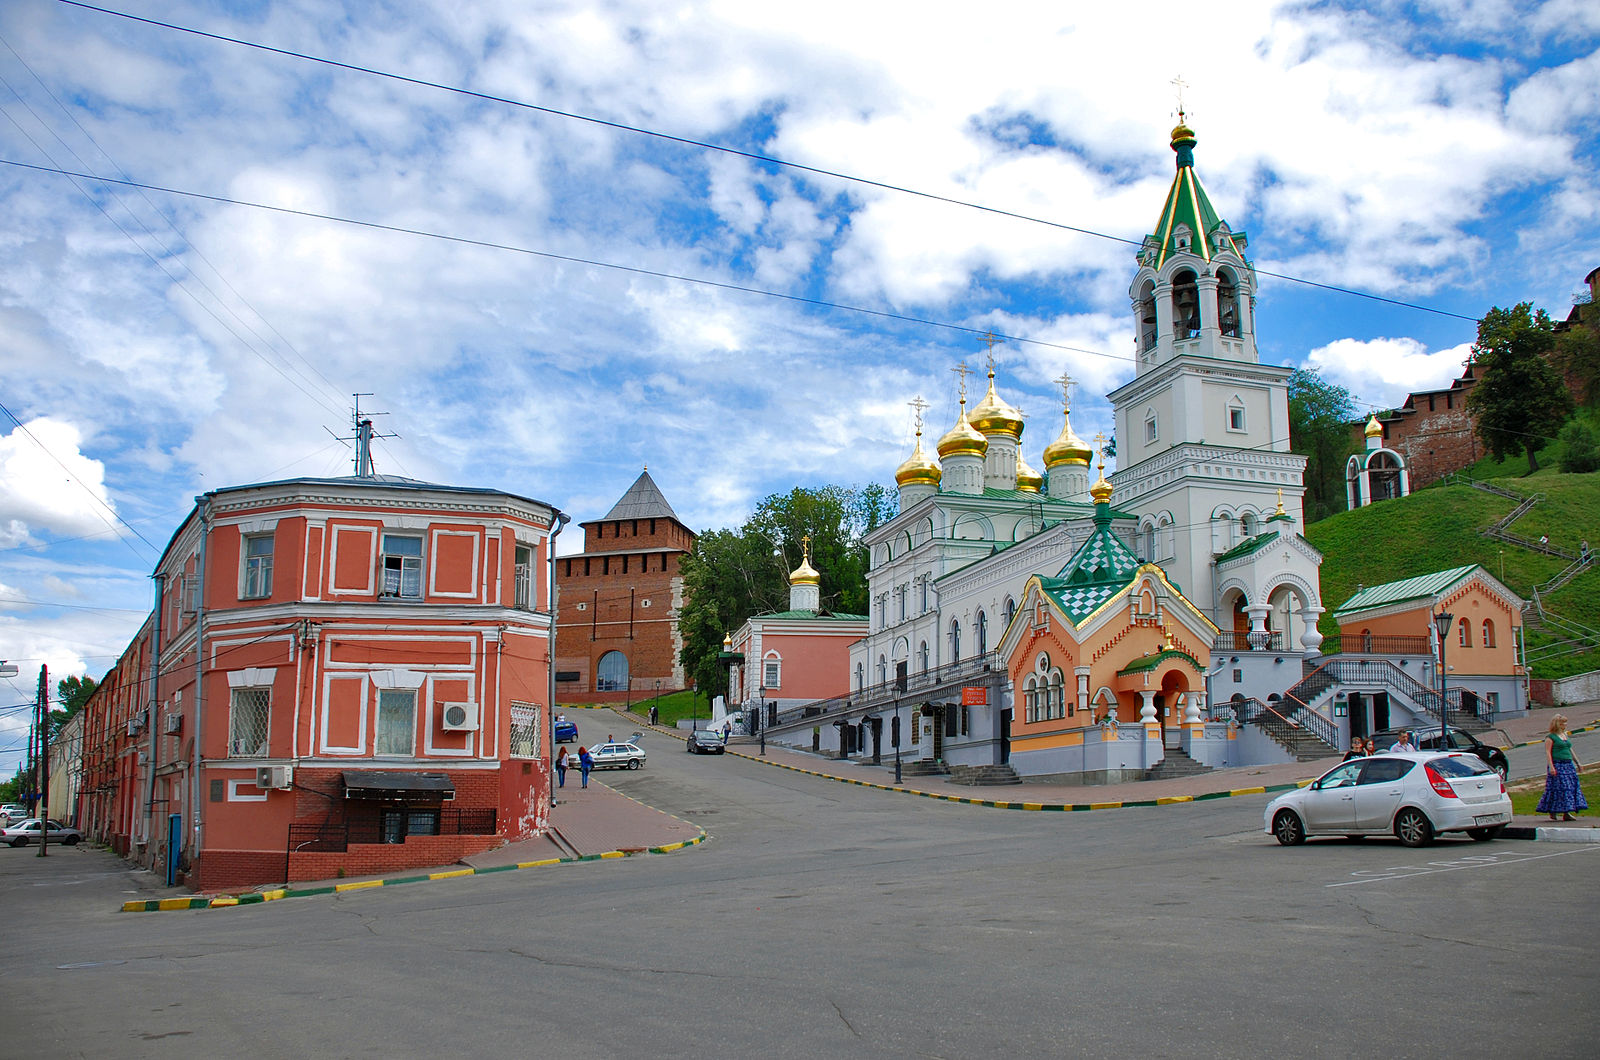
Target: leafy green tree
{"x": 71, "y": 694}
{"x": 1521, "y": 400}
{"x": 1320, "y": 413}
{"x": 1580, "y": 449}
{"x": 1577, "y": 356}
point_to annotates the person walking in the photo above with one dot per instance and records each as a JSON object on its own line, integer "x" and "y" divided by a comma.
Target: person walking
{"x": 1404, "y": 743}
{"x": 1561, "y": 791}
{"x": 585, "y": 763}
{"x": 561, "y": 769}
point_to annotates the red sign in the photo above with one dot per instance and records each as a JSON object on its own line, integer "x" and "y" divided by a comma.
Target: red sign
{"x": 974, "y": 697}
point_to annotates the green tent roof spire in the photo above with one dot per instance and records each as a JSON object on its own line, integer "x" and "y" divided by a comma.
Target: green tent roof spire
{"x": 1188, "y": 220}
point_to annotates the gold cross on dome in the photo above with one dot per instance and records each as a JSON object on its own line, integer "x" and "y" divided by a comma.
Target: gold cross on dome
{"x": 918, "y": 405}
{"x": 990, "y": 341}
{"x": 961, "y": 369}
{"x": 805, "y": 544}
{"x": 1100, "y": 447}
{"x": 1067, "y": 383}
{"x": 1180, "y": 84}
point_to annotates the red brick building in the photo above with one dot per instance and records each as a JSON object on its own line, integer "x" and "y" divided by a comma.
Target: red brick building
{"x": 617, "y": 638}
{"x": 1434, "y": 431}
{"x": 340, "y": 674}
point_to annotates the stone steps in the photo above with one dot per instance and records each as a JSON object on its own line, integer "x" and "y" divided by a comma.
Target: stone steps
{"x": 1177, "y": 763}
{"x": 984, "y": 776}
{"x": 920, "y": 768}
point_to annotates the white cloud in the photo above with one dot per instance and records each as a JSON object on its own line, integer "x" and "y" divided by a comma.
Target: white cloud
{"x": 1383, "y": 371}
{"x": 47, "y": 485}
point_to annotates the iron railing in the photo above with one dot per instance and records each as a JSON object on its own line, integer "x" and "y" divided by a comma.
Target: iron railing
{"x": 989, "y": 662}
{"x": 1376, "y": 644}
{"x": 338, "y": 836}
{"x": 1237, "y": 640}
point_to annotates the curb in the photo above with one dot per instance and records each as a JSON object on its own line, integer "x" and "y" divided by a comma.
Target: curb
{"x": 227, "y": 901}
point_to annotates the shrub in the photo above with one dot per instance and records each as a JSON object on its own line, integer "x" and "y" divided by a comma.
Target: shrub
{"x": 1580, "y": 450}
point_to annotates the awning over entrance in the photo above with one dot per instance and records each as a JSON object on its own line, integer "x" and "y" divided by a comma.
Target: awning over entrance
{"x": 394, "y": 784}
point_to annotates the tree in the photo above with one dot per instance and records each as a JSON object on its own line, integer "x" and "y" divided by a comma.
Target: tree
{"x": 1580, "y": 450}
{"x": 1319, "y": 429}
{"x": 71, "y": 694}
{"x": 1577, "y": 356}
{"x": 733, "y": 574}
{"x": 1521, "y": 400}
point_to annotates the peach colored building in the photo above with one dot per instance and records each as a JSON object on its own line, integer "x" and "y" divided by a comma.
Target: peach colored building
{"x": 339, "y": 674}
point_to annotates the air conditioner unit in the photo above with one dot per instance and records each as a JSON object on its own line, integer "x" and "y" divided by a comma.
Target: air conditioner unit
{"x": 136, "y": 724}
{"x": 459, "y": 717}
{"x": 172, "y": 723}
{"x": 275, "y": 777}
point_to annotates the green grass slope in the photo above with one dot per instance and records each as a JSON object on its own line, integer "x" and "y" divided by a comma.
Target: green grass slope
{"x": 1437, "y": 528}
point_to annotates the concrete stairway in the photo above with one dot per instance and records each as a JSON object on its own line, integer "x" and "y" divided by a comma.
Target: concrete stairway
{"x": 984, "y": 776}
{"x": 1176, "y": 764}
{"x": 919, "y": 768}
{"x": 1306, "y": 746}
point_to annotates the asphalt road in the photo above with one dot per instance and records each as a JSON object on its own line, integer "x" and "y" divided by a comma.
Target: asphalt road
{"x": 824, "y": 919}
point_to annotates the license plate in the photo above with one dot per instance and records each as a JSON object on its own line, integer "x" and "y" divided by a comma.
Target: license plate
{"x": 1493, "y": 818}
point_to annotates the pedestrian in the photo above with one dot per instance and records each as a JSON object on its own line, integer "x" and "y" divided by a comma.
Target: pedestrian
{"x": 1561, "y": 791}
{"x": 1372, "y": 746}
{"x": 1544, "y": 539}
{"x": 1404, "y": 743}
{"x": 1358, "y": 748}
{"x": 1583, "y": 552}
{"x": 726, "y": 729}
{"x": 585, "y": 763}
{"x": 561, "y": 769}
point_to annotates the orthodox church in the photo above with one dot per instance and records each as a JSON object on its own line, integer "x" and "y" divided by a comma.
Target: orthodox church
{"x": 1022, "y": 609}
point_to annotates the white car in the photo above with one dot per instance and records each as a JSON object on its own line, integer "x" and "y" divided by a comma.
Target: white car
{"x": 25, "y": 832}
{"x": 1415, "y": 795}
{"x": 617, "y": 756}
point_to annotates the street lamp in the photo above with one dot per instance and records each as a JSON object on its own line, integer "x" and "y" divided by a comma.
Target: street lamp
{"x": 897, "y": 738}
{"x": 1441, "y": 623}
{"x": 761, "y": 720}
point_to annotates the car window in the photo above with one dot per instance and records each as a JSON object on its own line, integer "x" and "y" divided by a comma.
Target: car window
{"x": 1341, "y": 777}
{"x": 1384, "y": 770}
{"x": 1459, "y": 766}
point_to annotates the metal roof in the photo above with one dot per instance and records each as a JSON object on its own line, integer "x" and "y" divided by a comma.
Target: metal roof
{"x": 1421, "y": 587}
{"x": 643, "y": 500}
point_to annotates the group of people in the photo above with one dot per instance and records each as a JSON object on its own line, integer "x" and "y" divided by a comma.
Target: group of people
{"x": 1361, "y": 746}
{"x": 564, "y": 763}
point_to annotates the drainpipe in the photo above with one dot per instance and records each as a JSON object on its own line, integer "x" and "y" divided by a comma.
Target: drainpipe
{"x": 561, "y": 521}
{"x": 195, "y": 794}
{"x": 150, "y": 700}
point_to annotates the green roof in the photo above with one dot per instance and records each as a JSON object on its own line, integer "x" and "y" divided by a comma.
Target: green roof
{"x": 1188, "y": 204}
{"x": 1422, "y": 587}
{"x": 820, "y": 616}
{"x": 1100, "y": 568}
{"x": 1150, "y": 662}
{"x": 1248, "y": 545}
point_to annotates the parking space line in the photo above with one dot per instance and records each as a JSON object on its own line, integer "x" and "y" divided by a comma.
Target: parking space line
{"x": 1472, "y": 861}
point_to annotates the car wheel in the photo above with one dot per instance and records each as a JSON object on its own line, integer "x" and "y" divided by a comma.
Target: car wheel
{"x": 1288, "y": 830}
{"x": 1483, "y": 835}
{"x": 20, "y": 841}
{"x": 1412, "y": 827}
{"x": 634, "y": 763}
{"x": 71, "y": 840}
{"x": 1503, "y": 769}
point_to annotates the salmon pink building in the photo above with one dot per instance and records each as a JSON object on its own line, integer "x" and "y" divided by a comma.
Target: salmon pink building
{"x": 340, "y": 675}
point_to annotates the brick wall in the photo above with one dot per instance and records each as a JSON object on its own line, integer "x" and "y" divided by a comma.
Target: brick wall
{"x": 1433, "y": 431}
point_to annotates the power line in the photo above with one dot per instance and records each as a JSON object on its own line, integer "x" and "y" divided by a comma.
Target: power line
{"x": 720, "y": 148}
{"x": 572, "y": 259}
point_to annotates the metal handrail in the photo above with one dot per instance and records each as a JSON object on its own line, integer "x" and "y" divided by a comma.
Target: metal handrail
{"x": 1376, "y": 644}
{"x": 883, "y": 690}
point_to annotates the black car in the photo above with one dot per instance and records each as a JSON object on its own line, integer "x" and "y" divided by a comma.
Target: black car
{"x": 1460, "y": 740}
{"x": 704, "y": 742}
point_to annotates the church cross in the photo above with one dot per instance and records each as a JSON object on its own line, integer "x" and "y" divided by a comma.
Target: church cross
{"x": 805, "y": 544}
{"x": 1100, "y": 447}
{"x": 961, "y": 369}
{"x": 1067, "y": 383}
{"x": 918, "y": 405}
{"x": 1180, "y": 84}
{"x": 990, "y": 341}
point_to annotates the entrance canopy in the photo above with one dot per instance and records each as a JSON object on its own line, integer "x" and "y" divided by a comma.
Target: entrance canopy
{"x": 395, "y": 784}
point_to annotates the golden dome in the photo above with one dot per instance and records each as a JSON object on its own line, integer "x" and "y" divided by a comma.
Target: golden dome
{"x": 962, "y": 440}
{"x": 1181, "y": 132}
{"x": 1374, "y": 428}
{"x": 919, "y": 468}
{"x": 1101, "y": 490}
{"x": 805, "y": 574}
{"x": 1028, "y": 480}
{"x": 994, "y": 416}
{"x": 1068, "y": 448}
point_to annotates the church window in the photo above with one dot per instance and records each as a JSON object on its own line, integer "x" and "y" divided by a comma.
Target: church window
{"x": 1227, "y": 304}
{"x": 923, "y": 582}
{"x": 1148, "y": 331}
{"x": 1030, "y": 698}
{"x": 883, "y": 670}
{"x": 772, "y": 671}
{"x": 1247, "y": 524}
{"x": 955, "y": 641}
{"x": 1236, "y": 414}
{"x": 612, "y": 674}
{"x": 923, "y": 652}
{"x": 861, "y": 679}
{"x": 1488, "y": 633}
{"x": 1150, "y": 432}
{"x": 983, "y": 633}
{"x": 1010, "y": 609}
{"x": 1464, "y": 633}
{"x": 1058, "y": 698}
{"x": 1185, "y": 306}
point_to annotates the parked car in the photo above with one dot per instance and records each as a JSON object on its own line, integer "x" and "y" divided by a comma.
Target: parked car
{"x": 565, "y": 731}
{"x": 617, "y": 756}
{"x": 25, "y": 832}
{"x": 704, "y": 742}
{"x": 1415, "y": 795}
{"x": 1460, "y": 740}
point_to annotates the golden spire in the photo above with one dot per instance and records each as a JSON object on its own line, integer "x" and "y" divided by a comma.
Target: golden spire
{"x": 1101, "y": 490}
{"x": 1068, "y": 448}
{"x": 1374, "y": 428}
{"x": 919, "y": 468}
{"x": 993, "y": 416}
{"x": 1028, "y": 480}
{"x": 962, "y": 440}
{"x": 805, "y": 574}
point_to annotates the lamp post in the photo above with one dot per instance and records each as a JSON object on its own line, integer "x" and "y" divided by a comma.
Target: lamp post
{"x": 1441, "y": 623}
{"x": 761, "y": 720}
{"x": 897, "y": 738}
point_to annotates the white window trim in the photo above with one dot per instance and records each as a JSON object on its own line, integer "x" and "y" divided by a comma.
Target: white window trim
{"x": 421, "y": 560}
{"x": 771, "y": 671}
{"x": 1235, "y": 404}
{"x": 244, "y": 564}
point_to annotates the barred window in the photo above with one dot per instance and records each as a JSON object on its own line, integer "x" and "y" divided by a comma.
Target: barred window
{"x": 248, "y": 711}
{"x": 257, "y": 567}
{"x": 397, "y": 722}
{"x": 524, "y": 730}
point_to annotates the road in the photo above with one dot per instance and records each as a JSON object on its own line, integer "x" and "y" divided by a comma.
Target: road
{"x": 824, "y": 919}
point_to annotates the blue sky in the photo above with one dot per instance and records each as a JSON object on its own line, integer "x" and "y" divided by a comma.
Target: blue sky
{"x": 159, "y": 346}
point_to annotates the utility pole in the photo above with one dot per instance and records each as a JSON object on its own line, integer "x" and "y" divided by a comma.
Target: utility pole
{"x": 44, "y": 760}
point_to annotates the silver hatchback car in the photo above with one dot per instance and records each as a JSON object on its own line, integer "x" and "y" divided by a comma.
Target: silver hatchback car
{"x": 1413, "y": 795}
{"x": 617, "y": 756}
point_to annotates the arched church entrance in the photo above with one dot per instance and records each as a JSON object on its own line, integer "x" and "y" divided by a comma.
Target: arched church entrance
{"x": 1169, "y": 708}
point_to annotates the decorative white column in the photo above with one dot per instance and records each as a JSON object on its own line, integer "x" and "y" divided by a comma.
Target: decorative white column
{"x": 1083, "y": 688}
{"x": 1310, "y": 639}
{"x": 1194, "y": 702}
{"x": 1259, "y": 633}
{"x": 1147, "y": 712}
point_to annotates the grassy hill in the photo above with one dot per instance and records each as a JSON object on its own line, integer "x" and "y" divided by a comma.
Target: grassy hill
{"x": 1437, "y": 528}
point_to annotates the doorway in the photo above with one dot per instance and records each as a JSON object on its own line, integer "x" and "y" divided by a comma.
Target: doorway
{"x": 1005, "y": 736}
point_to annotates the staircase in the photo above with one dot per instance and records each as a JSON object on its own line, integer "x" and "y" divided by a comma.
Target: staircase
{"x": 1305, "y": 745}
{"x": 983, "y": 776}
{"x": 1176, "y": 764}
{"x": 920, "y": 768}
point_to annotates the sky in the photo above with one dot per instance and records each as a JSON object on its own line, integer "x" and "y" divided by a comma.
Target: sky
{"x": 156, "y": 345}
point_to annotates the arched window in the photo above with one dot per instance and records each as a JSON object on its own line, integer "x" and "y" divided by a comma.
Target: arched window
{"x": 1030, "y": 698}
{"x": 983, "y": 633}
{"x": 883, "y": 670}
{"x": 1010, "y": 610}
{"x": 1247, "y": 524}
{"x": 1488, "y": 633}
{"x": 1058, "y": 696}
{"x": 1464, "y": 633}
{"x": 861, "y": 678}
{"x": 1148, "y": 333}
{"x": 612, "y": 673}
{"x": 1227, "y": 304}
{"x": 955, "y": 641}
{"x": 771, "y": 670}
{"x": 1185, "y": 306}
{"x": 922, "y": 650}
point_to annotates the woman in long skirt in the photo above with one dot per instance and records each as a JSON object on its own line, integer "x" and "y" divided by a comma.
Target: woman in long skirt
{"x": 1561, "y": 792}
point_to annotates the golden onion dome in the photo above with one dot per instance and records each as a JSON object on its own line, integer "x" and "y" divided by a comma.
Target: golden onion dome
{"x": 962, "y": 440}
{"x": 1068, "y": 448}
{"x": 1374, "y": 428}
{"x": 1181, "y": 132}
{"x": 919, "y": 469}
{"x": 1101, "y": 490}
{"x": 805, "y": 574}
{"x": 993, "y": 416}
{"x": 1028, "y": 480}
